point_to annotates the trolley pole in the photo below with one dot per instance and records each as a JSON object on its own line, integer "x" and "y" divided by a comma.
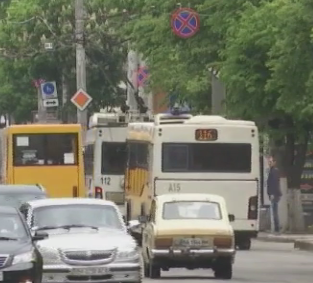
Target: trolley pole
{"x": 80, "y": 59}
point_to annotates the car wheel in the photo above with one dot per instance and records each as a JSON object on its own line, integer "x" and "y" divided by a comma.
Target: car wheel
{"x": 245, "y": 245}
{"x": 154, "y": 271}
{"x": 223, "y": 269}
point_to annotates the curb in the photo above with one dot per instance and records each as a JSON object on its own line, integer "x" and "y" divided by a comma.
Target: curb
{"x": 276, "y": 240}
{"x": 304, "y": 245}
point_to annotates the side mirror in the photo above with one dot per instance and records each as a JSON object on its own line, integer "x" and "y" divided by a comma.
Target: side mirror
{"x": 37, "y": 236}
{"x": 132, "y": 225}
{"x": 231, "y": 217}
{"x": 143, "y": 219}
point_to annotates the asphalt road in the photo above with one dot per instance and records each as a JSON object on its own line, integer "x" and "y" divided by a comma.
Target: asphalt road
{"x": 265, "y": 262}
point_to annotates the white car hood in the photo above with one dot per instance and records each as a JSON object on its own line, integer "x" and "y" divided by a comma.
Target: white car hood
{"x": 88, "y": 240}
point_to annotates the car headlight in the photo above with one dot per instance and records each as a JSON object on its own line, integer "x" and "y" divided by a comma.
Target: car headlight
{"x": 49, "y": 255}
{"x": 24, "y": 258}
{"x": 125, "y": 255}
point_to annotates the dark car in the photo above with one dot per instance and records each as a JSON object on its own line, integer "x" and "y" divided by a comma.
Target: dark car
{"x": 20, "y": 261}
{"x": 15, "y": 195}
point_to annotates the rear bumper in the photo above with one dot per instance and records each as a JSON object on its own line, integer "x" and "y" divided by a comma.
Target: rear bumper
{"x": 191, "y": 259}
{"x": 245, "y": 225}
{"x": 190, "y": 252}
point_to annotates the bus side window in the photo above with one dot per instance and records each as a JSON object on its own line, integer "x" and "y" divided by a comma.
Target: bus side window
{"x": 142, "y": 155}
{"x": 143, "y": 209}
{"x": 88, "y": 159}
{"x": 74, "y": 142}
{"x": 132, "y": 155}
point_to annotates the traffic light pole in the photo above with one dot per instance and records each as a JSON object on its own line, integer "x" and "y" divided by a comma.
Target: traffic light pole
{"x": 82, "y": 117}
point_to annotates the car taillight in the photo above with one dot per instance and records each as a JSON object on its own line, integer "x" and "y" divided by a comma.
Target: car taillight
{"x": 223, "y": 242}
{"x": 253, "y": 208}
{"x": 98, "y": 192}
{"x": 163, "y": 243}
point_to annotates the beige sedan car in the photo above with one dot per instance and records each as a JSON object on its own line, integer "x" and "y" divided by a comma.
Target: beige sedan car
{"x": 188, "y": 231}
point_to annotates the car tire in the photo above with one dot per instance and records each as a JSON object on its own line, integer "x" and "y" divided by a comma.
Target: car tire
{"x": 245, "y": 245}
{"x": 224, "y": 268}
{"x": 154, "y": 271}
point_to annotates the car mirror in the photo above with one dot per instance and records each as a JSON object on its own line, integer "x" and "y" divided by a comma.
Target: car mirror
{"x": 133, "y": 224}
{"x": 231, "y": 217}
{"x": 142, "y": 219}
{"x": 37, "y": 236}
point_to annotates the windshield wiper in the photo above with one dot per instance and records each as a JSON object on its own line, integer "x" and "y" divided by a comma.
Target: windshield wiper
{"x": 8, "y": 239}
{"x": 66, "y": 227}
{"x": 79, "y": 226}
{"x": 48, "y": 228}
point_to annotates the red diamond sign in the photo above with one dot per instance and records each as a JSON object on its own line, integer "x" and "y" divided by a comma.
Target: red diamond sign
{"x": 81, "y": 99}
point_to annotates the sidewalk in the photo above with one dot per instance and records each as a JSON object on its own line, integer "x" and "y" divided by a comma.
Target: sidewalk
{"x": 301, "y": 241}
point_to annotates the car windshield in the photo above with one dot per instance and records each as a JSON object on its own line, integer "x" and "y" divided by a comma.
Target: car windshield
{"x": 11, "y": 227}
{"x": 17, "y": 199}
{"x": 104, "y": 216}
{"x": 192, "y": 210}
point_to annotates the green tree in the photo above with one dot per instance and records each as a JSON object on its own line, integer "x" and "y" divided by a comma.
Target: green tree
{"x": 268, "y": 69}
{"x": 178, "y": 65}
{"x": 29, "y": 24}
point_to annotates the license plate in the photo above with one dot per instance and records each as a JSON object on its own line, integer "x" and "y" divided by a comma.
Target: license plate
{"x": 1, "y": 276}
{"x": 89, "y": 271}
{"x": 189, "y": 242}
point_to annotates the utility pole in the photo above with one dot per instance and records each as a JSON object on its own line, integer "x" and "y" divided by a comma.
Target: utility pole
{"x": 41, "y": 110}
{"x": 80, "y": 59}
{"x": 218, "y": 93}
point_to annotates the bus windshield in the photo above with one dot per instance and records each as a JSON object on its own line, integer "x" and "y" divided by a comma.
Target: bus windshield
{"x": 114, "y": 155}
{"x": 206, "y": 157}
{"x": 45, "y": 149}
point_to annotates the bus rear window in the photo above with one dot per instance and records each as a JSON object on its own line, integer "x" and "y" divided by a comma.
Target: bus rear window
{"x": 114, "y": 155}
{"x": 206, "y": 157}
{"x": 45, "y": 149}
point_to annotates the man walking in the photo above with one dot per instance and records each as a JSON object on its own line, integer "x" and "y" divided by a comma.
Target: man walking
{"x": 273, "y": 191}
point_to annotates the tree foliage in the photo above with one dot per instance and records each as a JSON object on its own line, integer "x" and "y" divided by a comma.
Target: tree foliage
{"x": 267, "y": 65}
{"x": 178, "y": 65}
{"x": 27, "y": 25}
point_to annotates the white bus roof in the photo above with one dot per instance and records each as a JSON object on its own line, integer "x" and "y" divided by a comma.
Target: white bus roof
{"x": 115, "y": 119}
{"x": 217, "y": 120}
{"x": 170, "y": 119}
{"x": 146, "y": 131}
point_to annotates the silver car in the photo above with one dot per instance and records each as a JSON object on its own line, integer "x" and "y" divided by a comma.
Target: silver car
{"x": 86, "y": 241}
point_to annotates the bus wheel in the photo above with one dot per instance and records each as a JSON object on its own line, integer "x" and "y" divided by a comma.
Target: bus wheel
{"x": 245, "y": 245}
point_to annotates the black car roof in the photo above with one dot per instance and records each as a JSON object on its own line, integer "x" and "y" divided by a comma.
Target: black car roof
{"x": 17, "y": 189}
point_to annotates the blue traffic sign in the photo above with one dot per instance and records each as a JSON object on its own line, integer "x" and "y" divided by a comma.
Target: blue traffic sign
{"x": 48, "y": 88}
{"x": 185, "y": 22}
